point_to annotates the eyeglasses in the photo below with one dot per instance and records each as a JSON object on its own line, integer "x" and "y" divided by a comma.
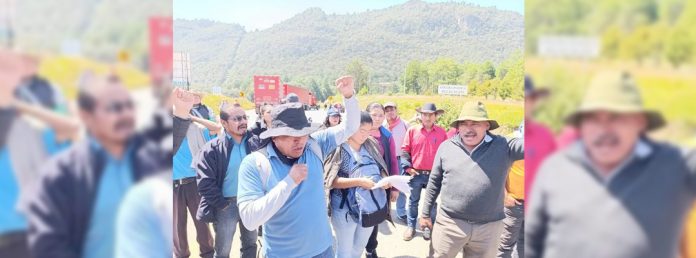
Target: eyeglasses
{"x": 239, "y": 118}
{"x": 117, "y": 107}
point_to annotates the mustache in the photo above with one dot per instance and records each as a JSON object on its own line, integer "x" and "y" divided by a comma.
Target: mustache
{"x": 606, "y": 139}
{"x": 469, "y": 134}
{"x": 242, "y": 126}
{"x": 124, "y": 124}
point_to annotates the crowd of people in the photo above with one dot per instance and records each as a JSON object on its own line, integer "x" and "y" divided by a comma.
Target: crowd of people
{"x": 82, "y": 181}
{"x": 308, "y": 189}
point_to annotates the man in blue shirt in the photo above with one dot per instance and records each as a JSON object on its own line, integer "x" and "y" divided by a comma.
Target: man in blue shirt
{"x": 23, "y": 148}
{"x": 195, "y": 135}
{"x": 217, "y": 166}
{"x": 287, "y": 194}
{"x": 74, "y": 211}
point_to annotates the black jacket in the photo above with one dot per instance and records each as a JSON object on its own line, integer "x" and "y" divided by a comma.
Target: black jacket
{"x": 59, "y": 215}
{"x": 211, "y": 168}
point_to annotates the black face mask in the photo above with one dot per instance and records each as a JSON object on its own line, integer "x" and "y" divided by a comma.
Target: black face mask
{"x": 287, "y": 160}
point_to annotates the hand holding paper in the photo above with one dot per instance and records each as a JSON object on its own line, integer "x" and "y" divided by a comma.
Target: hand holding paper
{"x": 398, "y": 182}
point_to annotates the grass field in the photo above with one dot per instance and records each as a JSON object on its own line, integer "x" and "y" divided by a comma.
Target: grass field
{"x": 668, "y": 90}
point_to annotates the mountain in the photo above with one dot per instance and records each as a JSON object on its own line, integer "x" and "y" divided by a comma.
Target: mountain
{"x": 314, "y": 43}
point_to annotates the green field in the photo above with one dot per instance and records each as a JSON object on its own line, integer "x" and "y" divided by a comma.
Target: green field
{"x": 672, "y": 92}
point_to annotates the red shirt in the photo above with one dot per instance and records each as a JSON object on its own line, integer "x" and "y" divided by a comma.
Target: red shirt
{"x": 422, "y": 145}
{"x": 539, "y": 143}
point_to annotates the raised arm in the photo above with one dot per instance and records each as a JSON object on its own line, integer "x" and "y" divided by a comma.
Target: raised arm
{"x": 66, "y": 128}
{"x": 213, "y": 127}
{"x": 332, "y": 137}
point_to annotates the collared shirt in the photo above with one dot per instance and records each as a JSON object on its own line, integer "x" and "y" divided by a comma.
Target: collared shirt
{"x": 540, "y": 144}
{"x": 638, "y": 211}
{"x": 398, "y": 131}
{"x": 640, "y": 150}
{"x": 229, "y": 185}
{"x": 116, "y": 179}
{"x": 422, "y": 145}
{"x": 182, "y": 159}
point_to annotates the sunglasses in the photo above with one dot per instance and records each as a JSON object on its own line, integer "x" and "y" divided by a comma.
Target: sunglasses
{"x": 239, "y": 118}
{"x": 117, "y": 107}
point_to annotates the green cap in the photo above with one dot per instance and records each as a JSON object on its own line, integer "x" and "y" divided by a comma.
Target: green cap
{"x": 474, "y": 111}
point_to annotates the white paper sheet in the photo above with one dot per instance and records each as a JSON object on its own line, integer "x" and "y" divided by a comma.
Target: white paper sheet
{"x": 398, "y": 182}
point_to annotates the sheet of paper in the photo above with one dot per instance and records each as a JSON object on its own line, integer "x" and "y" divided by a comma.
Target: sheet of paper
{"x": 398, "y": 182}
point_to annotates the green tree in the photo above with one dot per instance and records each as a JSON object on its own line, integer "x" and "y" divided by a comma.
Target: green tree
{"x": 359, "y": 72}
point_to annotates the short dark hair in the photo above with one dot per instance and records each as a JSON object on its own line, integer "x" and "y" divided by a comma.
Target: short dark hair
{"x": 223, "y": 114}
{"x": 85, "y": 101}
{"x": 365, "y": 118}
{"x": 374, "y": 105}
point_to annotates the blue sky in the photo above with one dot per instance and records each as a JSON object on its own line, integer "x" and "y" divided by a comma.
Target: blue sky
{"x": 262, "y": 14}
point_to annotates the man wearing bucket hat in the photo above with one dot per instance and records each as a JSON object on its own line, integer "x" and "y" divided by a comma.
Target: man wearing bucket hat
{"x": 614, "y": 192}
{"x": 417, "y": 153}
{"x": 282, "y": 185}
{"x": 470, "y": 170}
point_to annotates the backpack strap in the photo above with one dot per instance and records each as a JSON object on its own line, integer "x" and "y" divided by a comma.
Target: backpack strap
{"x": 263, "y": 165}
{"x": 314, "y": 147}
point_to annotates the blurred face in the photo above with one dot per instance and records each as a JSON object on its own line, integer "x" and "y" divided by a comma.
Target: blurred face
{"x": 334, "y": 120}
{"x": 113, "y": 117}
{"x": 529, "y": 105}
{"x": 428, "y": 119}
{"x": 610, "y": 137}
{"x": 377, "y": 115}
{"x": 196, "y": 99}
{"x": 473, "y": 132}
{"x": 361, "y": 135}
{"x": 390, "y": 113}
{"x": 236, "y": 123}
{"x": 291, "y": 146}
{"x": 267, "y": 115}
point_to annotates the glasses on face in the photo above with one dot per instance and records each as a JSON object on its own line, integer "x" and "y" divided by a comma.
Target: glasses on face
{"x": 117, "y": 107}
{"x": 238, "y": 118}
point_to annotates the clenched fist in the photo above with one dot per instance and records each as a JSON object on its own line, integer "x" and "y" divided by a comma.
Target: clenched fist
{"x": 345, "y": 86}
{"x": 183, "y": 102}
{"x": 298, "y": 173}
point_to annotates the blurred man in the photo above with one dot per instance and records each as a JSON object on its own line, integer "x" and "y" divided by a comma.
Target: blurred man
{"x": 398, "y": 128}
{"x": 144, "y": 221}
{"x": 512, "y": 238}
{"x": 217, "y": 167}
{"x": 614, "y": 192}
{"x": 470, "y": 171}
{"x": 24, "y": 147}
{"x": 74, "y": 212}
{"x": 540, "y": 140}
{"x": 195, "y": 136}
{"x": 38, "y": 91}
{"x": 201, "y": 110}
{"x": 417, "y": 156}
{"x": 282, "y": 185}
